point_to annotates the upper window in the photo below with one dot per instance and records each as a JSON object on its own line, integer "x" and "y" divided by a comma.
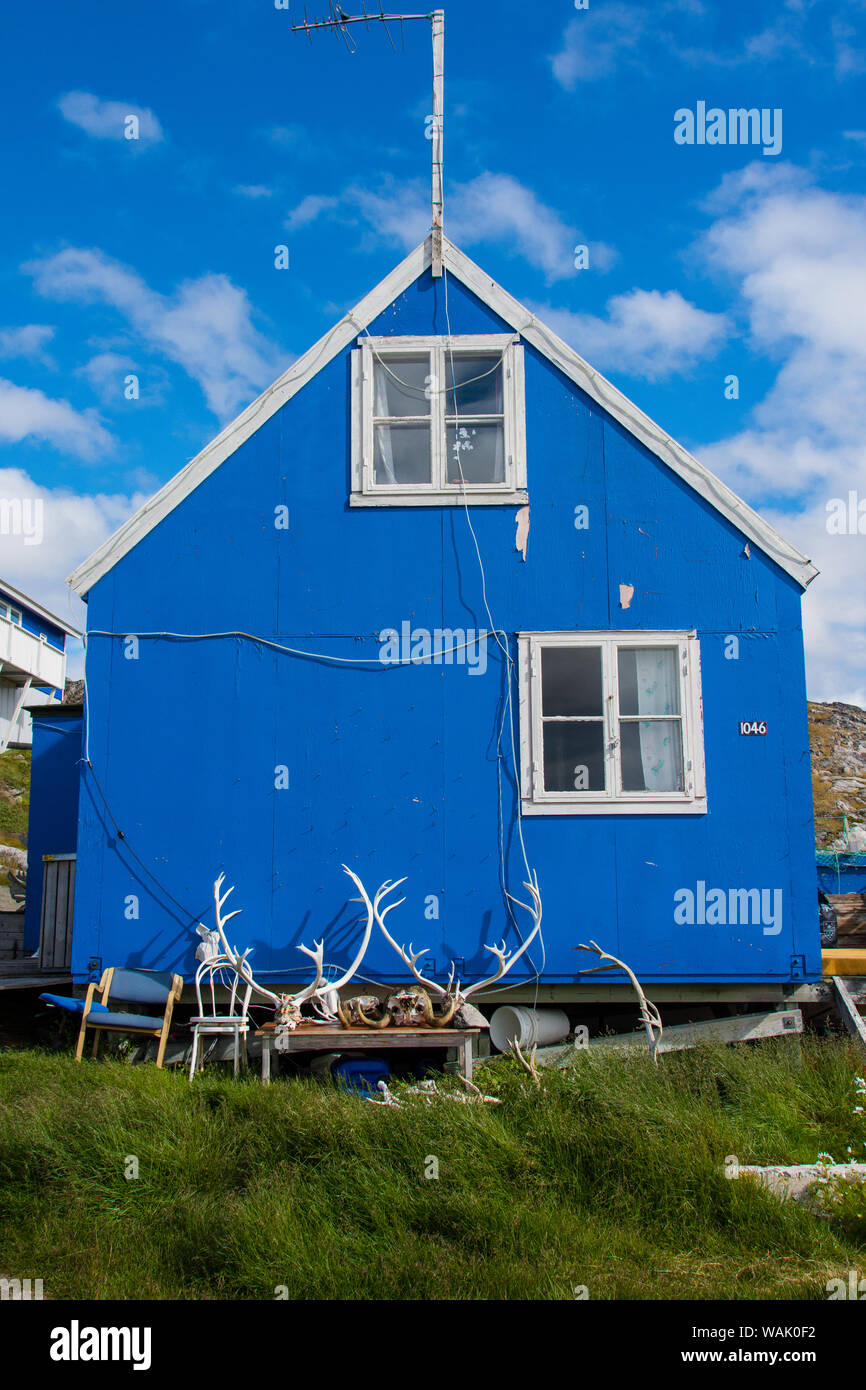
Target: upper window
{"x": 437, "y": 420}
{"x": 611, "y": 722}
{"x": 12, "y": 615}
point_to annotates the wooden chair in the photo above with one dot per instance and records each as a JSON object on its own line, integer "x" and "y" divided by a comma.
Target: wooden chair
{"x": 157, "y": 988}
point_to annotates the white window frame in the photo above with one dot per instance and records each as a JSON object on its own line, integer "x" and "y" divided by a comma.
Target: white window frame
{"x": 366, "y": 492}
{"x": 613, "y": 800}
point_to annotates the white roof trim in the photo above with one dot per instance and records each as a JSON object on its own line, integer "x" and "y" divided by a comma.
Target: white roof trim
{"x": 705, "y": 483}
{"x": 25, "y": 602}
{"x": 711, "y": 488}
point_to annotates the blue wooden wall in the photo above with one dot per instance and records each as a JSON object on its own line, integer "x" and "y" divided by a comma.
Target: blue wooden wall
{"x": 35, "y": 623}
{"x": 394, "y": 770}
{"x": 54, "y": 784}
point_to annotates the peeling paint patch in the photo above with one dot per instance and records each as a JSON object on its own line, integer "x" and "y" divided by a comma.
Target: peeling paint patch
{"x": 522, "y": 536}
{"x": 626, "y": 594}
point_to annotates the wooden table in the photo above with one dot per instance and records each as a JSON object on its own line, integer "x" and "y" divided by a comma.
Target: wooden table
{"x": 310, "y": 1037}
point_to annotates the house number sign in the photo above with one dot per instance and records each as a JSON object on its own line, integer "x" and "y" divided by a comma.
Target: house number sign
{"x": 753, "y": 726}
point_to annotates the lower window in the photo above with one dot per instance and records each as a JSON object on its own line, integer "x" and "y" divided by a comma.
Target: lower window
{"x": 611, "y": 722}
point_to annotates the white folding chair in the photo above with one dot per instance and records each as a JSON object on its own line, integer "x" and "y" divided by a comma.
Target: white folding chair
{"x": 212, "y": 975}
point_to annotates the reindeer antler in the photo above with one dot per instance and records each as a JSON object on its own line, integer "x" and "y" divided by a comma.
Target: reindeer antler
{"x": 649, "y": 1014}
{"x": 234, "y": 957}
{"x": 412, "y": 956}
{"x": 218, "y": 907}
{"x": 317, "y": 955}
{"x": 507, "y": 958}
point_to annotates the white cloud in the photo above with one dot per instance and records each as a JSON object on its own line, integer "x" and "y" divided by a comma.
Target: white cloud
{"x": 797, "y": 257}
{"x": 26, "y": 341}
{"x": 106, "y": 369}
{"x": 108, "y": 120}
{"x": 755, "y": 178}
{"x": 493, "y": 208}
{"x": 400, "y": 215}
{"x": 73, "y": 525}
{"x": 107, "y": 373}
{"x": 596, "y": 41}
{"x": 287, "y": 134}
{"x": 26, "y": 413}
{"x": 308, "y": 210}
{"x": 498, "y": 208}
{"x": 206, "y": 326}
{"x": 646, "y": 333}
{"x": 848, "y": 47}
{"x": 253, "y": 190}
{"x": 603, "y": 39}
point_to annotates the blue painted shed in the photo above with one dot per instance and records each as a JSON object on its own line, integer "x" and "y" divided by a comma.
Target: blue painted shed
{"x": 55, "y": 775}
{"x": 442, "y": 603}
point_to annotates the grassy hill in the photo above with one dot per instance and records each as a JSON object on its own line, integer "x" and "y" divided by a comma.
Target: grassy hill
{"x": 609, "y": 1179}
{"x": 14, "y": 796}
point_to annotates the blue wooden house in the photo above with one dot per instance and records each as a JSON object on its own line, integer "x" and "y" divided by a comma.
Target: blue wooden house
{"x": 32, "y": 661}
{"x": 442, "y": 603}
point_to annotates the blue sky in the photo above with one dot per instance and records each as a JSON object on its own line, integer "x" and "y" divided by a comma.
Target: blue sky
{"x": 154, "y": 257}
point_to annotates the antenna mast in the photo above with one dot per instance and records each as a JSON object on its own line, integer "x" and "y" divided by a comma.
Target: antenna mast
{"x": 338, "y": 23}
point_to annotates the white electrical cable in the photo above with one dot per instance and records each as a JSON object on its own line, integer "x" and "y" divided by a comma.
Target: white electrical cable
{"x": 509, "y": 664}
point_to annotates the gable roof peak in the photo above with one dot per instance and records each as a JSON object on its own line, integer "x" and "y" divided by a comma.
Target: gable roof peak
{"x": 530, "y": 328}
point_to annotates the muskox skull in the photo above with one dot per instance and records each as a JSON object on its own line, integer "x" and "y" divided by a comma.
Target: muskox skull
{"x": 413, "y": 1008}
{"x": 364, "y": 1011}
{"x": 410, "y": 1008}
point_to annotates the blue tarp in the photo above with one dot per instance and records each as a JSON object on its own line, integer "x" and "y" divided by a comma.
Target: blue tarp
{"x": 842, "y": 871}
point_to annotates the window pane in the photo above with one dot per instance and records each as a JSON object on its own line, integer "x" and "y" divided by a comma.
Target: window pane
{"x": 478, "y": 451}
{"x": 399, "y": 385}
{"x": 401, "y": 453}
{"x": 571, "y": 680}
{"x": 475, "y": 382}
{"x": 649, "y": 680}
{"x": 574, "y": 757}
{"x": 652, "y": 755}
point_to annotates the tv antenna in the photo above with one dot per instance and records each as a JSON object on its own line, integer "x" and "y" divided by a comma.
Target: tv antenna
{"x": 338, "y": 23}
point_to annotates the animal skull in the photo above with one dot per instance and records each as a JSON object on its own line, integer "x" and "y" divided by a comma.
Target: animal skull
{"x": 288, "y": 1014}
{"x": 363, "y": 1011}
{"x": 410, "y": 1008}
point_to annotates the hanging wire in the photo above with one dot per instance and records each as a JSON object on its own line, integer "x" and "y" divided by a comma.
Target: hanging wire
{"x": 509, "y": 705}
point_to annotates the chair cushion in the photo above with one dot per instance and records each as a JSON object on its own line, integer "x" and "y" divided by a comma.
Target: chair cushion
{"x": 72, "y": 1006}
{"x": 141, "y": 986}
{"x": 125, "y": 1021}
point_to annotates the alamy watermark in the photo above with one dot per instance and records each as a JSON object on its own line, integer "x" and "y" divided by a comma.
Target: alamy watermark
{"x": 847, "y": 516}
{"x": 735, "y": 126}
{"x": 719, "y": 907}
{"x": 77, "y": 1343}
{"x": 19, "y": 1290}
{"x": 854, "y": 1288}
{"x": 22, "y": 516}
{"x": 441, "y": 646}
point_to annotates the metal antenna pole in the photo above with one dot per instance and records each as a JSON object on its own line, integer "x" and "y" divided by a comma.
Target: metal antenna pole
{"x": 438, "y": 137}
{"x": 338, "y": 22}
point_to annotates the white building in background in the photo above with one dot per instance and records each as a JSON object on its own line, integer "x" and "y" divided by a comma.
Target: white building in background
{"x": 32, "y": 662}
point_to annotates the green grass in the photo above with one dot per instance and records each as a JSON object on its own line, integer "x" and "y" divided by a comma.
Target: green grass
{"x": 609, "y": 1177}
{"x": 14, "y": 797}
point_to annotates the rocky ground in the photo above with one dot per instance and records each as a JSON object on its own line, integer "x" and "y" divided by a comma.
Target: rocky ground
{"x": 837, "y": 736}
